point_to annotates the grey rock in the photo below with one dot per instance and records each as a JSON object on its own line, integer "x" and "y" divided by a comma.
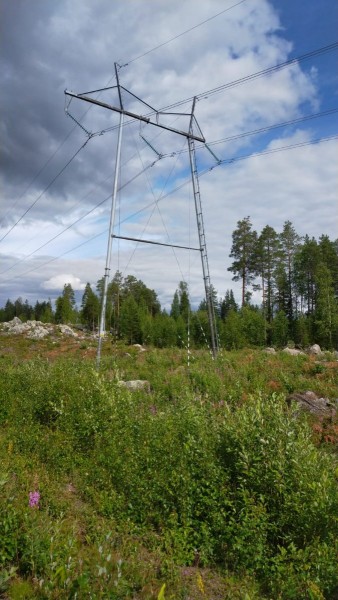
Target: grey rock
{"x": 315, "y": 349}
{"x": 310, "y": 402}
{"x": 15, "y": 321}
{"x": 38, "y": 333}
{"x": 139, "y": 347}
{"x": 136, "y": 384}
{"x": 293, "y": 351}
{"x": 66, "y": 330}
{"x": 270, "y": 350}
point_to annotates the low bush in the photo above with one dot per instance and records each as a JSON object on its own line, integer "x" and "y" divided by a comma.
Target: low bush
{"x": 206, "y": 475}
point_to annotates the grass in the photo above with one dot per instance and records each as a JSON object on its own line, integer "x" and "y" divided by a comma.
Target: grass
{"x": 206, "y": 487}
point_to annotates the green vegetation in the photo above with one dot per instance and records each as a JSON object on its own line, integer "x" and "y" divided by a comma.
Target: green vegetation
{"x": 296, "y": 279}
{"x": 206, "y": 487}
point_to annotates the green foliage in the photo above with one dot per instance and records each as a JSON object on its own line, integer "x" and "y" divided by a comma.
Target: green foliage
{"x": 205, "y": 472}
{"x": 65, "y": 305}
{"x": 243, "y": 250}
{"x": 90, "y": 308}
{"x": 280, "y": 329}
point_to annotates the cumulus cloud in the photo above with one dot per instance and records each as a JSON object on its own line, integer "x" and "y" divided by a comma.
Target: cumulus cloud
{"x": 58, "y": 281}
{"x": 55, "y": 202}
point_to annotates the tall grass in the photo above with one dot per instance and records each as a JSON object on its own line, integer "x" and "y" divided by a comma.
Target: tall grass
{"x": 208, "y": 484}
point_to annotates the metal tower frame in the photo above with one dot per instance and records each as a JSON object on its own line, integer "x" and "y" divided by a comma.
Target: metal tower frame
{"x": 191, "y": 137}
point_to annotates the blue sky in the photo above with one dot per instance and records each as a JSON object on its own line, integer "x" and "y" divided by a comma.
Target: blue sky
{"x": 50, "y": 231}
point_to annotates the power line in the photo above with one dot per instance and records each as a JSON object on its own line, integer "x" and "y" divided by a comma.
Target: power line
{"x": 214, "y": 143}
{"x": 45, "y": 190}
{"x": 107, "y": 84}
{"x": 183, "y": 33}
{"x": 77, "y": 220}
{"x": 232, "y": 138}
{"x": 200, "y": 96}
{"x": 223, "y": 162}
{"x": 252, "y": 76}
{"x": 38, "y": 173}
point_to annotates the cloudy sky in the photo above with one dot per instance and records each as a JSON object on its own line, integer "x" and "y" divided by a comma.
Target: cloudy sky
{"x": 57, "y": 176}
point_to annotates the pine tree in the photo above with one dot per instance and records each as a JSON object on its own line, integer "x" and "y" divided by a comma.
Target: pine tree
{"x": 267, "y": 255}
{"x": 243, "y": 250}
{"x": 290, "y": 242}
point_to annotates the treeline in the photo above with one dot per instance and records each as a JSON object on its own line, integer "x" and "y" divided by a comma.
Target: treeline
{"x": 296, "y": 278}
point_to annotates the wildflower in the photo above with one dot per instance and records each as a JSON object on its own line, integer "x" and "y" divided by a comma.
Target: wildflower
{"x": 34, "y": 498}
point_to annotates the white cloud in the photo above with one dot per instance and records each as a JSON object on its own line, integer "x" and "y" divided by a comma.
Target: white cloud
{"x": 74, "y": 45}
{"x": 57, "y": 282}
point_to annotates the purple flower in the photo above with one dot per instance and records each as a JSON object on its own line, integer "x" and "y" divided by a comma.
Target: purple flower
{"x": 34, "y": 498}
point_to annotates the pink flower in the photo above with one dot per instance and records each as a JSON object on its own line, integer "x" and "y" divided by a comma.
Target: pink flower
{"x": 34, "y": 498}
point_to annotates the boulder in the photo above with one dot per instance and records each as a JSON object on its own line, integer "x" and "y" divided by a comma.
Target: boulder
{"x": 315, "y": 349}
{"x": 270, "y": 350}
{"x": 38, "y": 333}
{"x": 66, "y": 330}
{"x": 15, "y": 321}
{"x": 139, "y": 347}
{"x": 309, "y": 402}
{"x": 293, "y": 351}
{"x": 136, "y": 384}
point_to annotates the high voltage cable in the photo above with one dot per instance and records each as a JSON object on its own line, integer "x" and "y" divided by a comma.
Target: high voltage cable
{"x": 108, "y": 82}
{"x": 77, "y": 220}
{"x": 232, "y": 138}
{"x": 45, "y": 190}
{"x": 38, "y": 173}
{"x": 252, "y": 76}
{"x": 229, "y": 161}
{"x": 183, "y": 33}
{"x": 223, "y": 162}
{"x": 200, "y": 96}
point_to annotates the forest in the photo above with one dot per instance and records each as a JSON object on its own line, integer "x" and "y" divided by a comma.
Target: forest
{"x": 212, "y": 481}
{"x": 296, "y": 278}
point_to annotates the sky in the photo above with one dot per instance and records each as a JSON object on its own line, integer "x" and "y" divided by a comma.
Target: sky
{"x": 57, "y": 167}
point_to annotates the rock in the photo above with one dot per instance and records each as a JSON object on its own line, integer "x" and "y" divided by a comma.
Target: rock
{"x": 315, "y": 349}
{"x": 15, "y": 321}
{"x": 136, "y": 384}
{"x": 38, "y": 333}
{"x": 293, "y": 351}
{"x": 270, "y": 350}
{"x": 139, "y": 347}
{"x": 309, "y": 402}
{"x": 66, "y": 330}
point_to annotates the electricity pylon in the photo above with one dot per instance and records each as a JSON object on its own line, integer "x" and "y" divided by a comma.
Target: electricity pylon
{"x": 191, "y": 136}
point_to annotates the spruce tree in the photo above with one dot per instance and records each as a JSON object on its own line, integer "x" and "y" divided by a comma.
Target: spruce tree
{"x": 90, "y": 308}
{"x": 65, "y": 305}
